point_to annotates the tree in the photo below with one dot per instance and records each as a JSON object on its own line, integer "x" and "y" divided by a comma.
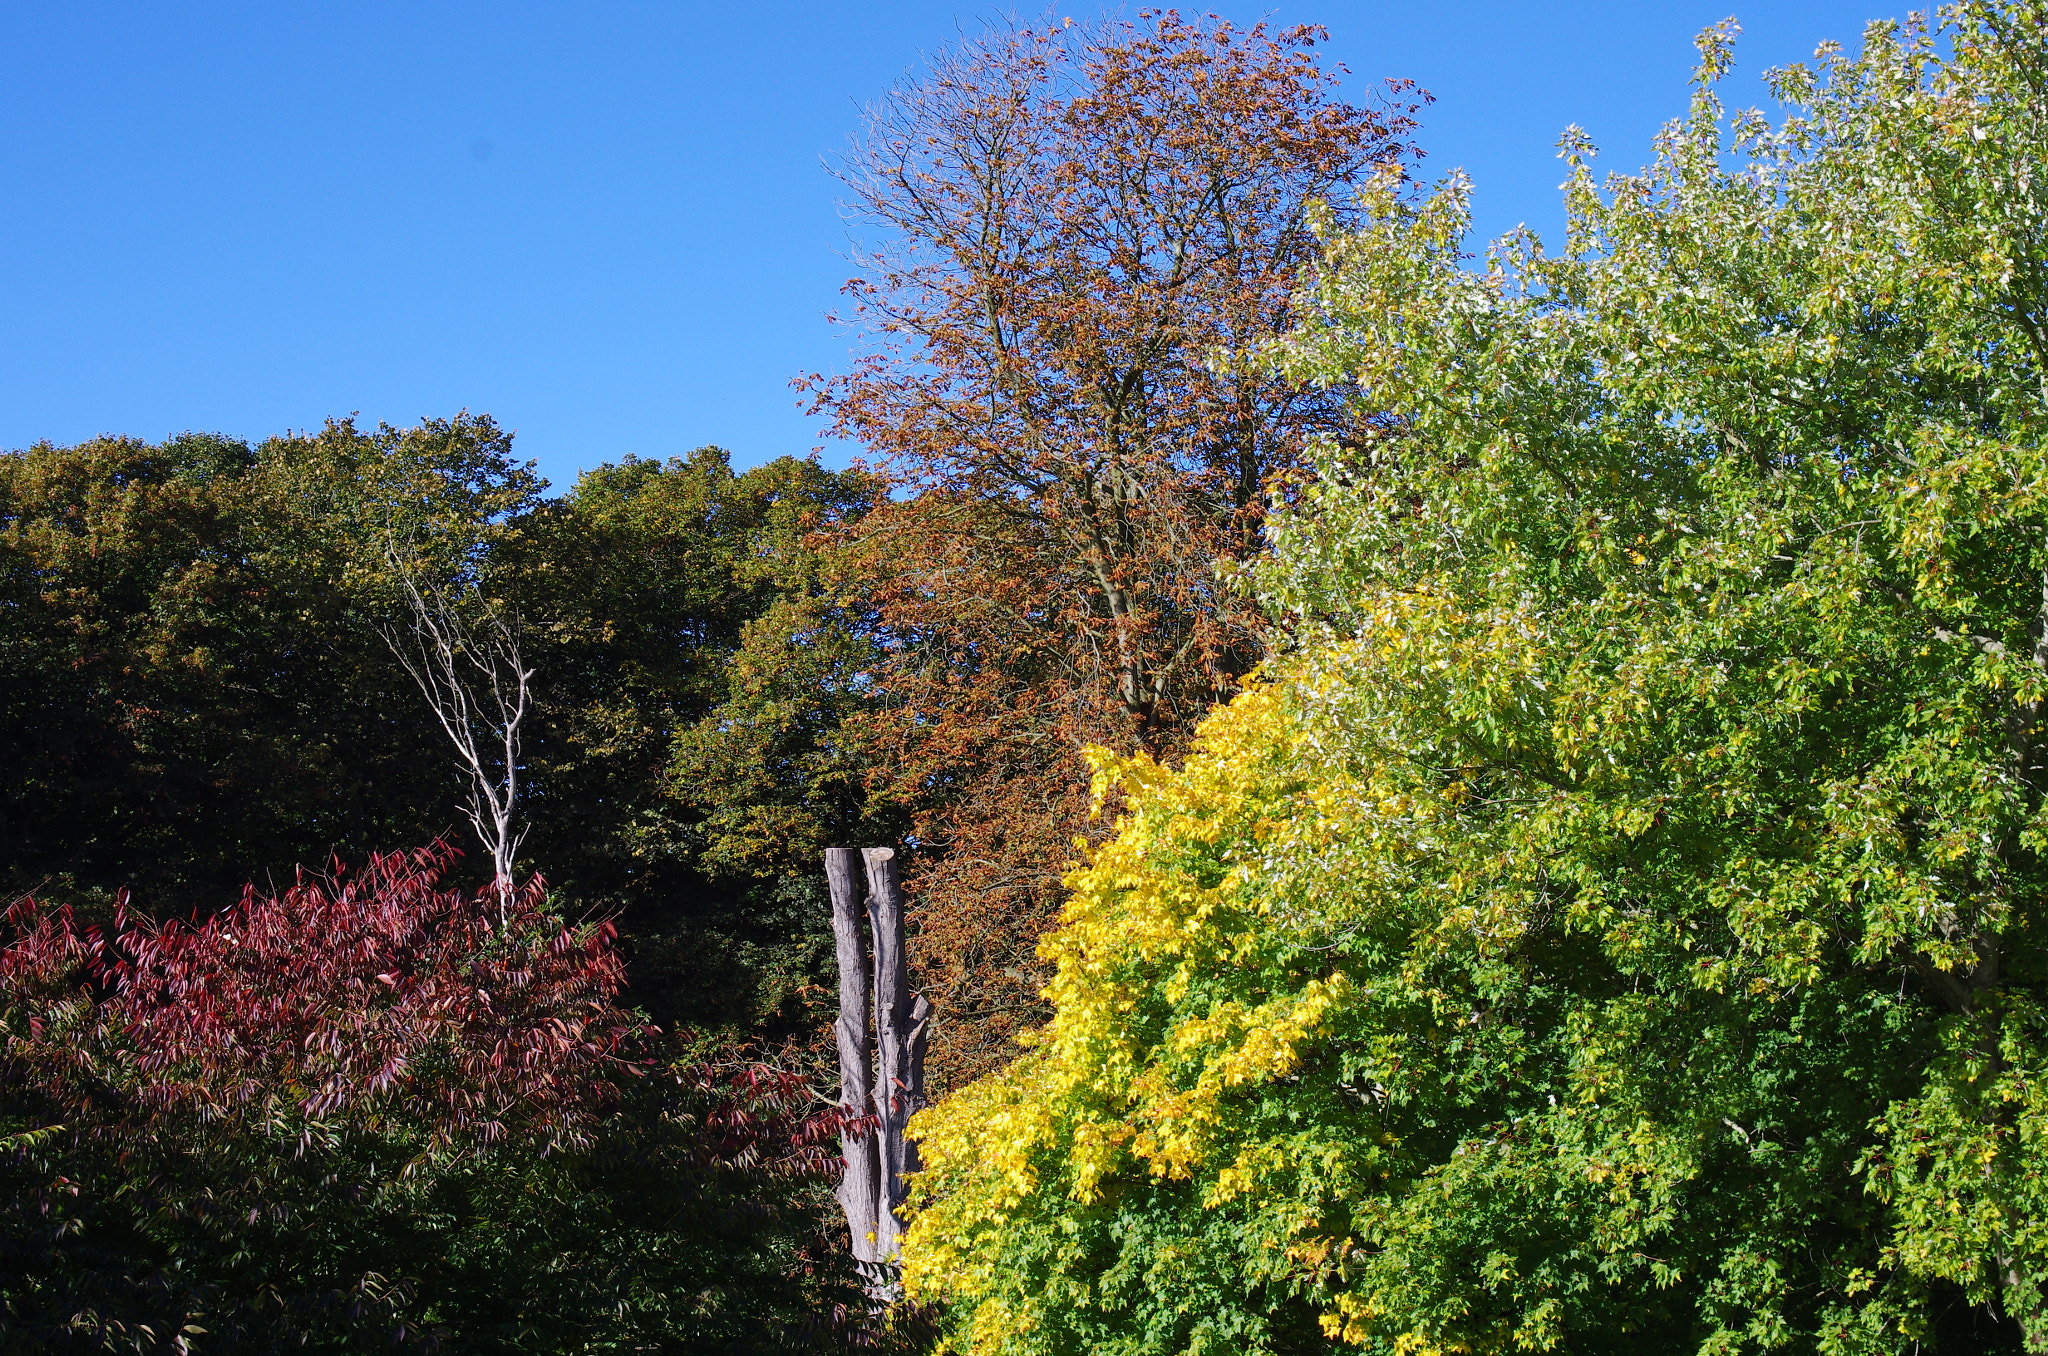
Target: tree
{"x": 1617, "y": 928}
{"x": 464, "y": 656}
{"x": 191, "y": 683}
{"x": 1085, "y": 233}
{"x": 1142, "y": 1177}
{"x": 685, "y": 758}
{"x": 373, "y": 1111}
{"x": 235, "y": 1071}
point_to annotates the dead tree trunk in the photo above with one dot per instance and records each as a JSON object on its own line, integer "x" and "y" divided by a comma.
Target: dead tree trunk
{"x": 900, "y": 1019}
{"x": 860, "y": 1189}
{"x": 875, "y": 1185}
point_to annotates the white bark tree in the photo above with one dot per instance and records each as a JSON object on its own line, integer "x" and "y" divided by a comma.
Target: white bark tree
{"x": 465, "y": 657}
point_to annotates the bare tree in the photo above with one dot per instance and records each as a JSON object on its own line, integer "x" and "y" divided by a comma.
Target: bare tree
{"x": 467, "y": 662}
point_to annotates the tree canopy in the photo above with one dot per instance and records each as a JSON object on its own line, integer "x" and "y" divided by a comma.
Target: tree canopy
{"x": 1613, "y": 924}
{"x": 1078, "y": 237}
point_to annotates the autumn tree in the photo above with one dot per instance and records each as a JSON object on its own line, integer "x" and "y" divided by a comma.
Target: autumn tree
{"x": 1617, "y": 926}
{"x": 373, "y": 1111}
{"x": 1080, "y": 235}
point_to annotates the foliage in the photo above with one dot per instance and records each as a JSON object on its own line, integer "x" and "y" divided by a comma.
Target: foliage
{"x": 192, "y": 689}
{"x": 196, "y": 691}
{"x": 1616, "y": 929}
{"x": 1073, "y": 1201}
{"x": 685, "y": 762}
{"x": 364, "y": 1112}
{"x": 189, "y": 688}
{"x": 1083, "y": 234}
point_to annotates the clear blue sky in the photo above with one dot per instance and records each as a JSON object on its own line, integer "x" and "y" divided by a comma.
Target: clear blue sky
{"x": 605, "y": 224}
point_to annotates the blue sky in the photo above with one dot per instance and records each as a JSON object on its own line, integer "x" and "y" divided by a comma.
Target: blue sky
{"x": 606, "y": 224}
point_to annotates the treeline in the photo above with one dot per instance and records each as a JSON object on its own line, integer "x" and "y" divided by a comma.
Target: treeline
{"x": 198, "y": 693}
{"x": 367, "y": 1105}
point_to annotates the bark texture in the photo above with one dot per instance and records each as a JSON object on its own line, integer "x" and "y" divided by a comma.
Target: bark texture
{"x": 881, "y": 1066}
{"x": 860, "y": 1189}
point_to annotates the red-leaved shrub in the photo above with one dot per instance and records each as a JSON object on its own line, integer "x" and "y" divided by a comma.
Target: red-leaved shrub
{"x": 368, "y": 1110}
{"x": 359, "y": 997}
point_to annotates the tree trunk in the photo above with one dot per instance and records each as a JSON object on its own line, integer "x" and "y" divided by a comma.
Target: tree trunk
{"x": 878, "y": 1161}
{"x": 860, "y": 1188}
{"x": 900, "y": 1022}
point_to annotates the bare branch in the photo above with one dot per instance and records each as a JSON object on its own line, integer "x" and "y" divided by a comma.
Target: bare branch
{"x": 467, "y": 662}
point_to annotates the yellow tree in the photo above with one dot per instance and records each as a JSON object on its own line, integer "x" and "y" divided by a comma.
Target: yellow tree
{"x": 1620, "y": 929}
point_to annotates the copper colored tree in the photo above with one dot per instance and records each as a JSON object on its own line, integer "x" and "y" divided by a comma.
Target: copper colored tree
{"x": 1080, "y": 237}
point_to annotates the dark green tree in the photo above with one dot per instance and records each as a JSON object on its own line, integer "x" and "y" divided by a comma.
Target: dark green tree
{"x": 694, "y": 669}
{"x": 191, "y": 685}
{"x": 194, "y": 691}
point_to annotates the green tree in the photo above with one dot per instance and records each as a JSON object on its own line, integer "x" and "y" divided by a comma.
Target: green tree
{"x": 191, "y": 686}
{"x": 1618, "y": 927}
{"x": 695, "y": 667}
{"x": 193, "y": 689}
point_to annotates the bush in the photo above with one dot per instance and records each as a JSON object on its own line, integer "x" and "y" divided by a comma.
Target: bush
{"x": 367, "y": 1111}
